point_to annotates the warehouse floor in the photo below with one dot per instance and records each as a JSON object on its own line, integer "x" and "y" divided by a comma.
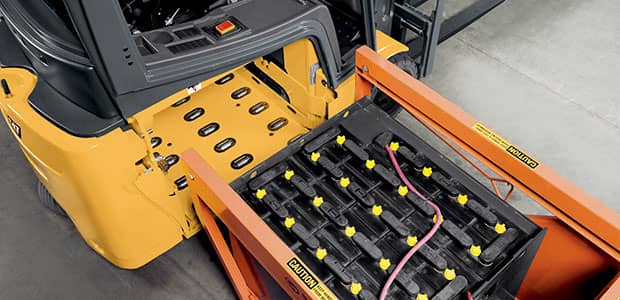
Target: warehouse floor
{"x": 544, "y": 74}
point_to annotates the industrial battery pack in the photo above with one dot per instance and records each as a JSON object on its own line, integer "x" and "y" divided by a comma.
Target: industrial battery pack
{"x": 334, "y": 197}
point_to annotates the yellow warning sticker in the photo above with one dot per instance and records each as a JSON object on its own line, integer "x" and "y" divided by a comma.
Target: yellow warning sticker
{"x": 319, "y": 289}
{"x": 504, "y": 144}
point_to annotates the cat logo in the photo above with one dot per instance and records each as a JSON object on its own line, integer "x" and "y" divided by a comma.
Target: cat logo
{"x": 16, "y": 128}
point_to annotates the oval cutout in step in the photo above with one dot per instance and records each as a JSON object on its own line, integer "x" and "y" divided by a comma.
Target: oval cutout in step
{"x": 208, "y": 129}
{"x": 258, "y": 108}
{"x": 241, "y": 161}
{"x": 294, "y": 139}
{"x": 240, "y": 93}
{"x": 224, "y": 145}
{"x": 277, "y": 124}
{"x": 172, "y": 160}
{"x": 181, "y": 183}
{"x": 181, "y": 102}
{"x": 225, "y": 79}
{"x": 194, "y": 114}
{"x": 155, "y": 141}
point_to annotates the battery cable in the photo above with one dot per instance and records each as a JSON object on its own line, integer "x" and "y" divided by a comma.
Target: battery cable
{"x": 423, "y": 241}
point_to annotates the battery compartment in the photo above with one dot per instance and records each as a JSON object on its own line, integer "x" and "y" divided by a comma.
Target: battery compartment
{"x": 364, "y": 222}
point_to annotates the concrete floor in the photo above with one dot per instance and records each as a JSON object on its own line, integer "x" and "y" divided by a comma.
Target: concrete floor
{"x": 542, "y": 73}
{"x": 538, "y": 74}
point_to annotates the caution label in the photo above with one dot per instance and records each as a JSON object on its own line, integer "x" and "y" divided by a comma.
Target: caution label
{"x": 310, "y": 281}
{"x": 504, "y": 144}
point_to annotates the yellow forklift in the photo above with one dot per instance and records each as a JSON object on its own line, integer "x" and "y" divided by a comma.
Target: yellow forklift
{"x": 146, "y": 120}
{"x": 103, "y": 96}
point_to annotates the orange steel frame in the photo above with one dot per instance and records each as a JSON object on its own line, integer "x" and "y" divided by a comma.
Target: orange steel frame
{"x": 582, "y": 242}
{"x": 213, "y": 196}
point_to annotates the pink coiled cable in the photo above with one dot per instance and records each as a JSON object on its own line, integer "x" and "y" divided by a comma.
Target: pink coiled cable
{"x": 423, "y": 241}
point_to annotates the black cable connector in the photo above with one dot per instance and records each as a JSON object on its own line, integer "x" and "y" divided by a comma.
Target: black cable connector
{"x": 6, "y": 88}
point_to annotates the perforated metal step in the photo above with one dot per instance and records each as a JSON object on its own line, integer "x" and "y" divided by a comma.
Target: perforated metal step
{"x": 234, "y": 123}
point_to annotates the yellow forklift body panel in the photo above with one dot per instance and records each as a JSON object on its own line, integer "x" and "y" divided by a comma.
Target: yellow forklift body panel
{"x": 127, "y": 208}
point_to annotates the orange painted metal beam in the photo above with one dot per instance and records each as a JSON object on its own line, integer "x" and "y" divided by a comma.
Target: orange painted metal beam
{"x": 567, "y": 266}
{"x": 249, "y": 269}
{"x": 221, "y": 248}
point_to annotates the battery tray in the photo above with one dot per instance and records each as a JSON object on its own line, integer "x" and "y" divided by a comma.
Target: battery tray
{"x": 335, "y": 199}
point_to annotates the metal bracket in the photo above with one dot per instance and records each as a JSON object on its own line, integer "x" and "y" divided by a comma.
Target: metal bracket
{"x": 313, "y": 69}
{"x": 432, "y": 29}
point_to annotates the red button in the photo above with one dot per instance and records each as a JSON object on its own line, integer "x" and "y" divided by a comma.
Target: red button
{"x": 225, "y": 27}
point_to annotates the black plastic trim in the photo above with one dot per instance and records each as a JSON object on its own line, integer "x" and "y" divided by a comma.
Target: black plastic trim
{"x": 48, "y": 101}
{"x": 137, "y": 82}
{"x": 68, "y": 116}
{"x": 456, "y": 23}
{"x": 272, "y": 84}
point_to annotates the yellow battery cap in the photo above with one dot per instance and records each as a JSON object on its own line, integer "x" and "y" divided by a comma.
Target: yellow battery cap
{"x": 349, "y": 231}
{"x": 315, "y": 156}
{"x": 394, "y": 146}
{"x": 317, "y": 201}
{"x": 435, "y": 219}
{"x": 341, "y": 139}
{"x": 449, "y": 274}
{"x": 421, "y": 297}
{"x": 427, "y": 171}
{"x": 321, "y": 253}
{"x": 370, "y": 164}
{"x": 403, "y": 190}
{"x": 356, "y": 288}
{"x": 412, "y": 240}
{"x": 289, "y": 222}
{"x": 475, "y": 250}
{"x": 462, "y": 199}
{"x": 345, "y": 181}
{"x": 377, "y": 210}
{"x": 384, "y": 264}
{"x": 500, "y": 228}
{"x": 288, "y": 174}
{"x": 261, "y": 193}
